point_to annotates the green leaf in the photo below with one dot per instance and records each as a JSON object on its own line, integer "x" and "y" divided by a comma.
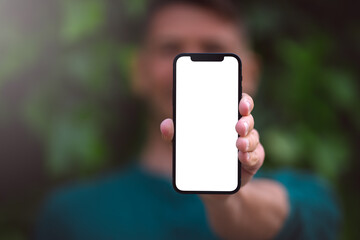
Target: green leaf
{"x": 82, "y": 19}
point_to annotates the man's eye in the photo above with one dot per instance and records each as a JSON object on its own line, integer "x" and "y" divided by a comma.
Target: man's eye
{"x": 170, "y": 49}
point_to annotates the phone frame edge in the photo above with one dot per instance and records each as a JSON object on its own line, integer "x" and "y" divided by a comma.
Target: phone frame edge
{"x": 174, "y": 120}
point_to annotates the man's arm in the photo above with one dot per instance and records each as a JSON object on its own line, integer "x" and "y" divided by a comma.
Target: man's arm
{"x": 259, "y": 209}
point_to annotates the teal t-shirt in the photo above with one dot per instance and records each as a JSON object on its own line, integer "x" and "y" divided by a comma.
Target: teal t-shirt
{"x": 135, "y": 204}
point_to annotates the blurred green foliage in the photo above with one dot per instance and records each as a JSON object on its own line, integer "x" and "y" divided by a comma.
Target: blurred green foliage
{"x": 81, "y": 20}
{"x": 64, "y": 71}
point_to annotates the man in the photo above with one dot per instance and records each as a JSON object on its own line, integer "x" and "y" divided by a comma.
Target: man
{"x": 140, "y": 203}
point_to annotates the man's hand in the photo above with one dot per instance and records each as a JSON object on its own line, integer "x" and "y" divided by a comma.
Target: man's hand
{"x": 256, "y": 211}
{"x": 251, "y": 152}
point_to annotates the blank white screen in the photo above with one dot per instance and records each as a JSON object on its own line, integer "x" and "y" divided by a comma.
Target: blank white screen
{"x": 206, "y": 115}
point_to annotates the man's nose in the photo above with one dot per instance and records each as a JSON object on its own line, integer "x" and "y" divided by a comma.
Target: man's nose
{"x": 193, "y": 48}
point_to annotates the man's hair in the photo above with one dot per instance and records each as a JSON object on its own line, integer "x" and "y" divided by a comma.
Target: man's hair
{"x": 226, "y": 9}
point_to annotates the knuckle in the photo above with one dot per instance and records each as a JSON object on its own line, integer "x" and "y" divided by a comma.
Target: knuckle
{"x": 262, "y": 150}
{"x": 244, "y": 157}
{"x": 254, "y": 159}
{"x": 251, "y": 119}
{"x": 250, "y": 169}
{"x": 255, "y": 135}
{"x": 253, "y": 140}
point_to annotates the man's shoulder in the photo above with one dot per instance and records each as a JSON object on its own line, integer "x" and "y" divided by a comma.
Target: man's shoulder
{"x": 88, "y": 194}
{"x": 102, "y": 184}
{"x": 91, "y": 207}
{"x": 292, "y": 176}
{"x": 90, "y": 204}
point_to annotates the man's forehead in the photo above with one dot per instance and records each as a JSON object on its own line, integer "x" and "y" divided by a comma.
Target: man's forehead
{"x": 187, "y": 21}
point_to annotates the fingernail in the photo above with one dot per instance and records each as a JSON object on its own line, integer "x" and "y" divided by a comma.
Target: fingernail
{"x": 247, "y": 156}
{"x": 247, "y": 144}
{"x": 246, "y": 127}
{"x": 247, "y": 104}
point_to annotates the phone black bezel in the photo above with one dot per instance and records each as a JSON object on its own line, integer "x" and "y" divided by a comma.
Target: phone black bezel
{"x": 203, "y": 57}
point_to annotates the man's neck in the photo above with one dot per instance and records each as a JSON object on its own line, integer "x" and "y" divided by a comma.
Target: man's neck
{"x": 156, "y": 156}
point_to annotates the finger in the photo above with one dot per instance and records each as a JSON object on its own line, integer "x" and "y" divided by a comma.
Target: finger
{"x": 248, "y": 143}
{"x": 167, "y": 129}
{"x": 246, "y": 105}
{"x": 245, "y": 125}
{"x": 252, "y": 161}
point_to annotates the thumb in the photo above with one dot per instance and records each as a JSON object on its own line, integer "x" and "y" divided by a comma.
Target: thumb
{"x": 167, "y": 129}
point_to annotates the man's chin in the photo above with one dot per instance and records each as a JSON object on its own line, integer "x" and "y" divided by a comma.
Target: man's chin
{"x": 159, "y": 116}
{"x": 161, "y": 111}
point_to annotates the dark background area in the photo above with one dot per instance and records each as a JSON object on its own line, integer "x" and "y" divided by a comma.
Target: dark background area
{"x": 66, "y": 112}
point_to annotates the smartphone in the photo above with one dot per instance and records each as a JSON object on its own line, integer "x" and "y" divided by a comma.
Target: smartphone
{"x": 206, "y": 95}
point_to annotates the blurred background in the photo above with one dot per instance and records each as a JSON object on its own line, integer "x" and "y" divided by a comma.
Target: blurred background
{"x": 66, "y": 112}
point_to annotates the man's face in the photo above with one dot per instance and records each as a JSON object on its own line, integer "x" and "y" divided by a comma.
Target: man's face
{"x": 176, "y": 29}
